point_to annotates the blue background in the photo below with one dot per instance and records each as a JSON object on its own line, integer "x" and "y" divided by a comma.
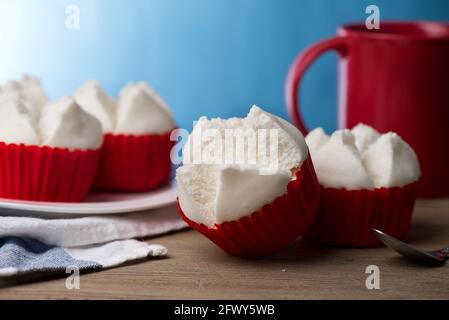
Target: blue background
{"x": 205, "y": 57}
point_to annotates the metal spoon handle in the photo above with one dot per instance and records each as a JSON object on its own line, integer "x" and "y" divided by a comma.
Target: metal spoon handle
{"x": 443, "y": 253}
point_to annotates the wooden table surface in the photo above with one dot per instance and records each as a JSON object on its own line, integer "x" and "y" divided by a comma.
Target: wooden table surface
{"x": 196, "y": 269}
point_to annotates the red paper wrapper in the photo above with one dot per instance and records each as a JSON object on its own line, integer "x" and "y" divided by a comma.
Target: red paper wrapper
{"x": 346, "y": 217}
{"x": 45, "y": 173}
{"x": 274, "y": 226}
{"x": 134, "y": 163}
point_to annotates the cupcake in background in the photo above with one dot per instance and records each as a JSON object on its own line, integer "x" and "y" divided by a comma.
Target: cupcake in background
{"x": 254, "y": 207}
{"x": 49, "y": 152}
{"x": 28, "y": 90}
{"x": 136, "y": 150}
{"x": 368, "y": 181}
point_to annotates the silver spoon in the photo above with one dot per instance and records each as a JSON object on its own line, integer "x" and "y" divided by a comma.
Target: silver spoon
{"x": 408, "y": 251}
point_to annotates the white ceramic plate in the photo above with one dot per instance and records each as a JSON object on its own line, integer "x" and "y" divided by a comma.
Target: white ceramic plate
{"x": 96, "y": 203}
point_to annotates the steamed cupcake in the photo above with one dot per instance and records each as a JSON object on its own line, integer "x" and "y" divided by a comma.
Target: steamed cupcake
{"x": 47, "y": 152}
{"x": 29, "y": 88}
{"x": 247, "y": 184}
{"x": 368, "y": 181}
{"x": 29, "y": 91}
{"x": 136, "y": 150}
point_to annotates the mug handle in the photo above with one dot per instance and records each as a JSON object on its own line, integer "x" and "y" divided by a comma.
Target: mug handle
{"x": 298, "y": 69}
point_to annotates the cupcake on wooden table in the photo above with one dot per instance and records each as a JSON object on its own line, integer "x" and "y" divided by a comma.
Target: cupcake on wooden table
{"x": 136, "y": 151}
{"x": 48, "y": 154}
{"x": 368, "y": 181}
{"x": 247, "y": 203}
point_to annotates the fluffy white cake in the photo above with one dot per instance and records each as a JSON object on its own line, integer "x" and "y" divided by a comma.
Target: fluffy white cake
{"x": 139, "y": 111}
{"x": 362, "y": 158}
{"x": 214, "y": 189}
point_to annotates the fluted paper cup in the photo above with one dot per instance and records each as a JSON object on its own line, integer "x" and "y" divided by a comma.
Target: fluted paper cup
{"x": 346, "y": 217}
{"x": 275, "y": 225}
{"x": 42, "y": 173}
{"x": 134, "y": 163}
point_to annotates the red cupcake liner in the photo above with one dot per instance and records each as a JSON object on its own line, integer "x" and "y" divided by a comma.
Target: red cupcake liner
{"x": 134, "y": 163}
{"x": 275, "y": 225}
{"x": 346, "y": 217}
{"x": 42, "y": 173}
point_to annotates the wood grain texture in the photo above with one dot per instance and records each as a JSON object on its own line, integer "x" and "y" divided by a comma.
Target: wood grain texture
{"x": 196, "y": 269}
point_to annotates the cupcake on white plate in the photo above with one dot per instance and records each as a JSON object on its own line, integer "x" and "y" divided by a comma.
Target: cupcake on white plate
{"x": 368, "y": 181}
{"x": 247, "y": 184}
{"x": 51, "y": 155}
{"x": 28, "y": 90}
{"x": 136, "y": 150}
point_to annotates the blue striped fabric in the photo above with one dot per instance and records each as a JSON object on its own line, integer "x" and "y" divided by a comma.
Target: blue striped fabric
{"x": 29, "y": 255}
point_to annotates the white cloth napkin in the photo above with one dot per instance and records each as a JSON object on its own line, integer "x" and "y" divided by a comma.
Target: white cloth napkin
{"x": 35, "y": 244}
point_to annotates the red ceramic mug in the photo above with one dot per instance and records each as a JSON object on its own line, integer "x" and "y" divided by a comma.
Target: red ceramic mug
{"x": 394, "y": 79}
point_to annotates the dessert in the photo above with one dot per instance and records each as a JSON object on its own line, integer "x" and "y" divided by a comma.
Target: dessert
{"x": 368, "y": 181}
{"x": 48, "y": 152}
{"x": 28, "y": 90}
{"x": 136, "y": 150}
{"x": 247, "y": 184}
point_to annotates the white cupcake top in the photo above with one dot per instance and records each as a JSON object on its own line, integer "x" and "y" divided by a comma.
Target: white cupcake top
{"x": 362, "y": 158}
{"x": 92, "y": 98}
{"x": 139, "y": 111}
{"x": 225, "y": 175}
{"x": 17, "y": 123}
{"x": 29, "y": 88}
{"x": 62, "y": 124}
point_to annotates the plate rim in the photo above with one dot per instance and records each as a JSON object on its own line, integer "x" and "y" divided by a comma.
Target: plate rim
{"x": 74, "y": 208}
